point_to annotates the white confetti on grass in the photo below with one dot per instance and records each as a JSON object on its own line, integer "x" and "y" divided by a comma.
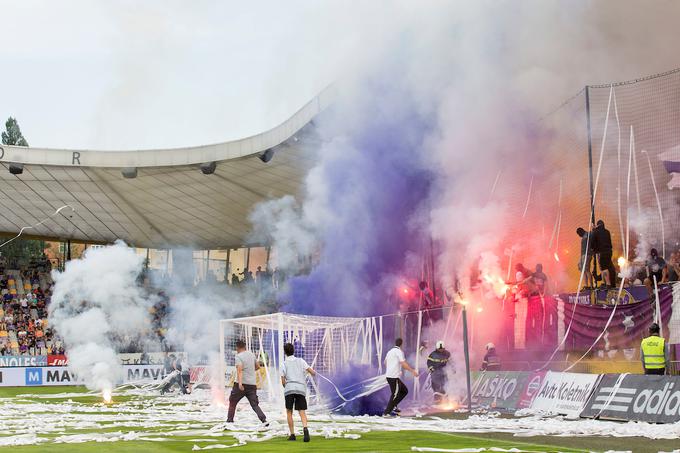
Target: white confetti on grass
{"x": 216, "y": 446}
{"x": 143, "y": 415}
{"x": 22, "y": 439}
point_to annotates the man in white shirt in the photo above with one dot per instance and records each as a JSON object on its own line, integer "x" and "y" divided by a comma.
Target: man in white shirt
{"x": 245, "y": 384}
{"x": 394, "y": 362}
{"x": 293, "y": 378}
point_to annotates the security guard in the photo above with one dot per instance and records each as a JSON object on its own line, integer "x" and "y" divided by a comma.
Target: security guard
{"x": 653, "y": 352}
{"x": 436, "y": 365}
{"x": 491, "y": 360}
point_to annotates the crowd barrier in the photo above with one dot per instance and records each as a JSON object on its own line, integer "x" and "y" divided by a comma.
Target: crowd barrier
{"x": 622, "y": 397}
{"x": 60, "y": 375}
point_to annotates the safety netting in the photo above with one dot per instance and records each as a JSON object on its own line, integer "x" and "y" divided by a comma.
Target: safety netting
{"x": 616, "y": 142}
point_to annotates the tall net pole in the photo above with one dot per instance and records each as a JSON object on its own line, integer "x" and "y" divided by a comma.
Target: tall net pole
{"x": 222, "y": 364}
{"x": 466, "y": 351}
{"x": 590, "y": 157}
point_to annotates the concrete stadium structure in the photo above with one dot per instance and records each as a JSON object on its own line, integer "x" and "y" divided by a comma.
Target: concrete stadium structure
{"x": 197, "y": 197}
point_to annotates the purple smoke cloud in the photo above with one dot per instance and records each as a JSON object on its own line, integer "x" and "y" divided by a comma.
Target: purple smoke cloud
{"x": 376, "y": 189}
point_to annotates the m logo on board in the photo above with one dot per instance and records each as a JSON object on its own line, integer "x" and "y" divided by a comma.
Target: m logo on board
{"x": 34, "y": 376}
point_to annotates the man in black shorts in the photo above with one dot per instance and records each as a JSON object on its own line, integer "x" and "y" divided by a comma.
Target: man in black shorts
{"x": 293, "y": 371}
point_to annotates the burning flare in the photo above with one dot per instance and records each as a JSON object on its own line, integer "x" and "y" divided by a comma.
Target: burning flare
{"x": 106, "y": 396}
{"x": 497, "y": 284}
{"x": 448, "y": 405}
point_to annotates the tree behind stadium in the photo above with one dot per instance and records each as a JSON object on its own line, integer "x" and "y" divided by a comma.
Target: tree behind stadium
{"x": 12, "y": 134}
{"x": 20, "y": 248}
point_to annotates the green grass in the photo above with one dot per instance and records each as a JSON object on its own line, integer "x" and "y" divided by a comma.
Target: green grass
{"x": 13, "y": 392}
{"x": 10, "y": 392}
{"x": 370, "y": 442}
{"x": 375, "y": 441}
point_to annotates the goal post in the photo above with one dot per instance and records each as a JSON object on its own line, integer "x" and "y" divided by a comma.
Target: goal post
{"x": 328, "y": 344}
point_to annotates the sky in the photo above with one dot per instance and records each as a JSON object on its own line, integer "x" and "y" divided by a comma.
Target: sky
{"x": 121, "y": 74}
{"x": 164, "y": 73}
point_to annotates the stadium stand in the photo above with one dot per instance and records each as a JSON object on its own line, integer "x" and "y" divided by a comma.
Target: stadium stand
{"x": 24, "y": 329}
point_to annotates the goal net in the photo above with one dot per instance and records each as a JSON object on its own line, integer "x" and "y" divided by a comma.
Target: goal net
{"x": 328, "y": 344}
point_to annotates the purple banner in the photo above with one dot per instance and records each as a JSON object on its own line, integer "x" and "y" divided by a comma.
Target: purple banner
{"x": 627, "y": 328}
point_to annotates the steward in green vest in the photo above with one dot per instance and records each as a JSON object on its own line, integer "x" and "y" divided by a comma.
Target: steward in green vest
{"x": 653, "y": 352}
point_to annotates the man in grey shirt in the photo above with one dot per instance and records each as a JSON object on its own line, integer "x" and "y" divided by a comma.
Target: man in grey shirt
{"x": 245, "y": 384}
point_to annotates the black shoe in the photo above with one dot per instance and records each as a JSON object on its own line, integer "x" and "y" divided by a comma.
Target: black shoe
{"x": 292, "y": 437}
{"x": 397, "y": 410}
{"x": 305, "y": 438}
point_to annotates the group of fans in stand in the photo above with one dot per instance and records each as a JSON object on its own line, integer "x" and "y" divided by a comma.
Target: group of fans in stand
{"x": 596, "y": 254}
{"x": 529, "y": 283}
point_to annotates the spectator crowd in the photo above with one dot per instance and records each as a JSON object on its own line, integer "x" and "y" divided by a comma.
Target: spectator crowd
{"x": 24, "y": 328}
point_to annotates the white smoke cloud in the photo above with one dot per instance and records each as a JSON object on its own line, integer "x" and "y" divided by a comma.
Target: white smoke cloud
{"x": 95, "y": 305}
{"x": 644, "y": 227}
{"x": 282, "y": 222}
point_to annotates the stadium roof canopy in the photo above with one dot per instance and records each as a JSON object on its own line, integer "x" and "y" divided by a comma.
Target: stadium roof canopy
{"x": 156, "y": 198}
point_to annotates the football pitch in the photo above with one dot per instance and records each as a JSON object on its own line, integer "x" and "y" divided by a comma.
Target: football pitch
{"x": 69, "y": 419}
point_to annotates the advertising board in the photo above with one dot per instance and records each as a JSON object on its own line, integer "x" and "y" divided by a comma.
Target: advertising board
{"x": 565, "y": 393}
{"x": 22, "y": 360}
{"x": 636, "y": 397}
{"x": 499, "y": 389}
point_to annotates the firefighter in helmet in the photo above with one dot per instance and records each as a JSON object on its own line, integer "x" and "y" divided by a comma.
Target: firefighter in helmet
{"x": 491, "y": 360}
{"x": 436, "y": 365}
